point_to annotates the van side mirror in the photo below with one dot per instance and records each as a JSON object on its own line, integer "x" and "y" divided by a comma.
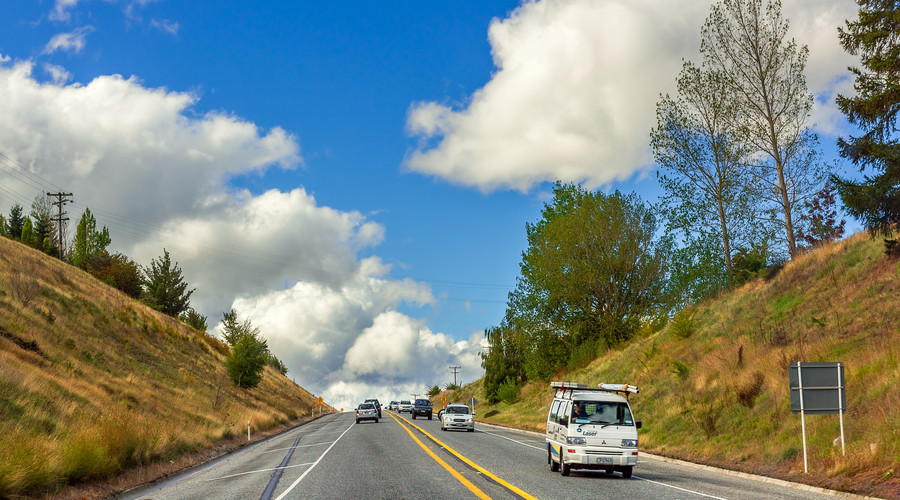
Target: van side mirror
{"x": 637, "y": 424}
{"x": 564, "y": 421}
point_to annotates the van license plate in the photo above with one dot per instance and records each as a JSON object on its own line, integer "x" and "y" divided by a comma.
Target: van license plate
{"x": 605, "y": 460}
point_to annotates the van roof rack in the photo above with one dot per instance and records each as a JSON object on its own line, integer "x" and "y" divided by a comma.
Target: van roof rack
{"x": 625, "y": 389}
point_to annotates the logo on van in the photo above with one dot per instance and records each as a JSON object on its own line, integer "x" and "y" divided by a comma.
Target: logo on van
{"x": 579, "y": 430}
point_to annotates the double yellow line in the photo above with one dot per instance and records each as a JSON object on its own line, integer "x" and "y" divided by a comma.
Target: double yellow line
{"x": 457, "y": 475}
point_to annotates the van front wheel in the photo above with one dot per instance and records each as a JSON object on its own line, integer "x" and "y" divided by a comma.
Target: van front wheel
{"x": 564, "y": 468}
{"x": 553, "y": 465}
{"x": 626, "y": 472}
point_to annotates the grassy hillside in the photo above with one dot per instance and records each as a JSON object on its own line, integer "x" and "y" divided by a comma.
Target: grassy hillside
{"x": 93, "y": 383}
{"x": 714, "y": 381}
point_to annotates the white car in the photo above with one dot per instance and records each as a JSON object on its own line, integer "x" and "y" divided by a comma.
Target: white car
{"x": 457, "y": 416}
{"x": 404, "y": 406}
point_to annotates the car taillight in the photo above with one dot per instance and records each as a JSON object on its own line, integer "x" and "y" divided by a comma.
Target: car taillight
{"x": 357, "y": 411}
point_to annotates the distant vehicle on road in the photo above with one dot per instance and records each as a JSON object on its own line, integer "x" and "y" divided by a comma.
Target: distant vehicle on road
{"x": 422, "y": 408}
{"x": 404, "y": 406}
{"x": 457, "y": 416}
{"x": 393, "y": 405}
{"x": 366, "y": 411}
{"x": 377, "y": 405}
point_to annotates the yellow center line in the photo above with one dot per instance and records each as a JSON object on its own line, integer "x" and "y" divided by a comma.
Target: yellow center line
{"x": 457, "y": 475}
{"x": 471, "y": 463}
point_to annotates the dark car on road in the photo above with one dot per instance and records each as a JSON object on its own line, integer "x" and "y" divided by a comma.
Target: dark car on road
{"x": 422, "y": 408}
{"x": 376, "y": 403}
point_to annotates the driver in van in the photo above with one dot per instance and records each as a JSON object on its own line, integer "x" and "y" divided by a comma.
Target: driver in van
{"x": 578, "y": 411}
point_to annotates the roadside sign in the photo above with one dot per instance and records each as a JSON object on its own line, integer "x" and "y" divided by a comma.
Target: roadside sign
{"x": 817, "y": 389}
{"x": 472, "y": 401}
{"x": 443, "y": 399}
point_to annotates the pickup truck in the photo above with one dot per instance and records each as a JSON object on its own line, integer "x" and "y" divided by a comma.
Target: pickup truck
{"x": 422, "y": 408}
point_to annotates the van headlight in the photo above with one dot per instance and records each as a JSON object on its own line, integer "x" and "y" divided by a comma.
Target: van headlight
{"x": 629, "y": 443}
{"x": 575, "y": 441}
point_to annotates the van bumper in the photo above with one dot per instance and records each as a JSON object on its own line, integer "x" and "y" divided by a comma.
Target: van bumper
{"x": 600, "y": 458}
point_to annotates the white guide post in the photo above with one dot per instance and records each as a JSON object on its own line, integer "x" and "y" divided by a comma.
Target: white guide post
{"x": 802, "y": 417}
{"x": 841, "y": 406}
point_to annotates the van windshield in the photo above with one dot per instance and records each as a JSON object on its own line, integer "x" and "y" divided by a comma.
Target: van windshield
{"x": 601, "y": 413}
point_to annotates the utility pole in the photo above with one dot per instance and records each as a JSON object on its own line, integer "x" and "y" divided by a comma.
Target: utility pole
{"x": 61, "y": 200}
{"x": 455, "y": 370}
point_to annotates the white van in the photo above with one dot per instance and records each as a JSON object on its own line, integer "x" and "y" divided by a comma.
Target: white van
{"x": 592, "y": 428}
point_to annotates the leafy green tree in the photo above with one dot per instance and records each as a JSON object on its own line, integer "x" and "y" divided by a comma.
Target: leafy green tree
{"x": 707, "y": 190}
{"x": 193, "y": 319}
{"x": 433, "y": 391}
{"x": 164, "y": 286}
{"x": 593, "y": 267}
{"x": 27, "y": 237}
{"x": 249, "y": 352}
{"x": 15, "y": 221}
{"x": 747, "y": 44}
{"x": 89, "y": 242}
{"x": 876, "y": 199}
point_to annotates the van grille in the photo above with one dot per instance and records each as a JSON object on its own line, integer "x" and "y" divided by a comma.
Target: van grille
{"x": 603, "y": 452}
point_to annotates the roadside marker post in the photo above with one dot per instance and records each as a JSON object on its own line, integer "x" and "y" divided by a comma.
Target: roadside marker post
{"x": 248, "y": 431}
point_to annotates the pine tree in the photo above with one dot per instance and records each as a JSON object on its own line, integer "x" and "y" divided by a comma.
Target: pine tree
{"x": 876, "y": 199}
{"x": 42, "y": 224}
{"x": 164, "y": 288}
{"x": 15, "y": 222}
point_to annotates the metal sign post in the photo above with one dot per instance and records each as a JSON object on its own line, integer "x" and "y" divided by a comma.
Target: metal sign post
{"x": 817, "y": 389}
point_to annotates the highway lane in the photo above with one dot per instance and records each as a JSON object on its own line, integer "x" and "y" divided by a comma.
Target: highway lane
{"x": 398, "y": 457}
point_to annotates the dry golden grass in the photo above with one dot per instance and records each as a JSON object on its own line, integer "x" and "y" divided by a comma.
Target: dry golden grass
{"x": 93, "y": 383}
{"x": 728, "y": 403}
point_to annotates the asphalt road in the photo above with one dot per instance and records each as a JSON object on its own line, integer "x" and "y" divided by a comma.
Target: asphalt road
{"x": 401, "y": 458}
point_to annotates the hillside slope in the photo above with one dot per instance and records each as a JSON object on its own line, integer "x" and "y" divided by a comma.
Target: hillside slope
{"x": 714, "y": 385}
{"x": 94, "y": 383}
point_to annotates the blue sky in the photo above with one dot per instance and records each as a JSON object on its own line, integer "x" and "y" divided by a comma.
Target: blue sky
{"x": 355, "y": 177}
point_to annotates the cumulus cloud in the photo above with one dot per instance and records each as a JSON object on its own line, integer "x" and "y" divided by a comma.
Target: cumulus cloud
{"x": 69, "y": 42}
{"x": 157, "y": 174}
{"x": 575, "y": 88}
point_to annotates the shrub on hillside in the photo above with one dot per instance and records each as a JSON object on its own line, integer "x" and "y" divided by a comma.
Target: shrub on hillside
{"x": 508, "y": 391}
{"x": 434, "y": 391}
{"x": 118, "y": 271}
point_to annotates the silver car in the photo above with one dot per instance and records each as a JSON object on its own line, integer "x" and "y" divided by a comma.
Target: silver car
{"x": 458, "y": 416}
{"x": 366, "y": 411}
{"x": 404, "y": 406}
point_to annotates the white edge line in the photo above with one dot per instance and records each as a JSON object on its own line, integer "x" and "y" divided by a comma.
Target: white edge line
{"x": 313, "y": 466}
{"x": 678, "y": 488}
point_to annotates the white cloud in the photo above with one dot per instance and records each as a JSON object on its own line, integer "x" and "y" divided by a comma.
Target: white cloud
{"x": 170, "y": 27}
{"x": 576, "y": 85}
{"x": 70, "y": 42}
{"x": 157, "y": 175}
{"x": 58, "y": 74}
{"x": 61, "y": 8}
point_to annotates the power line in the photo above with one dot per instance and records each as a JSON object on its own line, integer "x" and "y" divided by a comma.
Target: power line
{"x": 455, "y": 370}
